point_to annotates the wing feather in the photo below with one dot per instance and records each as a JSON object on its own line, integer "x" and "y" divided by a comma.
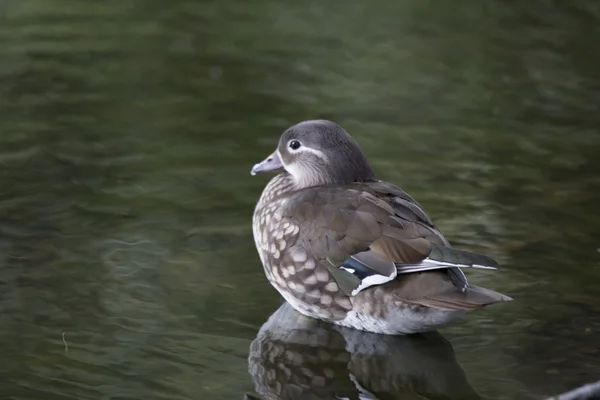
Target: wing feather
{"x": 377, "y": 227}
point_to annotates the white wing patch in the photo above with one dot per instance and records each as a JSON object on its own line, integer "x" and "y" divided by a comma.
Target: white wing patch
{"x": 373, "y": 280}
{"x": 370, "y": 280}
{"x": 368, "y": 268}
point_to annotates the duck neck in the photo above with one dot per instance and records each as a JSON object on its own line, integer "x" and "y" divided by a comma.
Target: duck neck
{"x": 277, "y": 186}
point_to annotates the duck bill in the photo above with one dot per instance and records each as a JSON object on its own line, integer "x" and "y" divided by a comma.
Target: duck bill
{"x": 270, "y": 164}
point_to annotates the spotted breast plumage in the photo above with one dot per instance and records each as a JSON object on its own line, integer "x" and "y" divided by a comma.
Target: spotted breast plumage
{"x": 342, "y": 246}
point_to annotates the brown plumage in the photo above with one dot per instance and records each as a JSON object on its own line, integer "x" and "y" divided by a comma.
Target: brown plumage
{"x": 330, "y": 236}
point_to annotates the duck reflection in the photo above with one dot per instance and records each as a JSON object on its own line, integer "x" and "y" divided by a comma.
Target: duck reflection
{"x": 295, "y": 357}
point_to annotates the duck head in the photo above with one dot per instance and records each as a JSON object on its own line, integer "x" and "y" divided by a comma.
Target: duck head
{"x": 318, "y": 152}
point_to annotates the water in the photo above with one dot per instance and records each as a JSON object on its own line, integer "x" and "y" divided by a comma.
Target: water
{"x": 128, "y": 129}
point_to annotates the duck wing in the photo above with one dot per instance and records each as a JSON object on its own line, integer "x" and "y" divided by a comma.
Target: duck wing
{"x": 367, "y": 234}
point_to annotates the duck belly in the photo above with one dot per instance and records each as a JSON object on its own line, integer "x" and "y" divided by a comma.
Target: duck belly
{"x": 406, "y": 318}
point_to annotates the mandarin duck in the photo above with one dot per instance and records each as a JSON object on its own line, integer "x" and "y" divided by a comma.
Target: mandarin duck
{"x": 342, "y": 246}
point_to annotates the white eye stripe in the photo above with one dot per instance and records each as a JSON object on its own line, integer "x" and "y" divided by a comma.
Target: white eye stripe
{"x": 316, "y": 152}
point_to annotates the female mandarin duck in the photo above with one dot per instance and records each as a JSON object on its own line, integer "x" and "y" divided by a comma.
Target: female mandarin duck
{"x": 342, "y": 246}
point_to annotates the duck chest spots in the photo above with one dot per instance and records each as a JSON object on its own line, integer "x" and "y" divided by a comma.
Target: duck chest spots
{"x": 290, "y": 230}
{"x": 273, "y": 274}
{"x": 326, "y": 299}
{"x": 300, "y": 288}
{"x": 291, "y": 269}
{"x": 309, "y": 264}
{"x": 322, "y": 275}
{"x": 344, "y": 302}
{"x": 264, "y": 237}
{"x": 299, "y": 255}
{"x": 331, "y": 287}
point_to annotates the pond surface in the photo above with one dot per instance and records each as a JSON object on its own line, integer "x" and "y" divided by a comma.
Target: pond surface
{"x": 127, "y": 132}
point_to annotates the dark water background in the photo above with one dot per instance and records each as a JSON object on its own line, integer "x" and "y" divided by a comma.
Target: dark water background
{"x": 128, "y": 129}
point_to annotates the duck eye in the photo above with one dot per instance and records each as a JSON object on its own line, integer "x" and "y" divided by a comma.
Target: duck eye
{"x": 294, "y": 144}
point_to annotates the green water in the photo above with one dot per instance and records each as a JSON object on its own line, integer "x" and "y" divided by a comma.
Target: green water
{"x": 128, "y": 129}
